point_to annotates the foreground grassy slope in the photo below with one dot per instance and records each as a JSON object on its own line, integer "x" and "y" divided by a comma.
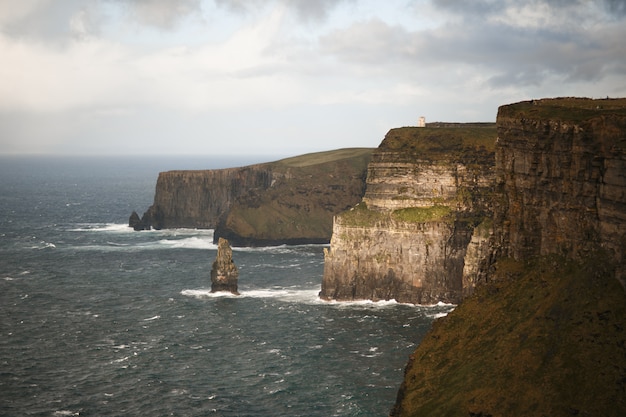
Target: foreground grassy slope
{"x": 547, "y": 339}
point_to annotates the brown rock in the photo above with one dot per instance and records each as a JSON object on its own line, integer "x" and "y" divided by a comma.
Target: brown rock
{"x": 224, "y": 273}
{"x": 426, "y": 190}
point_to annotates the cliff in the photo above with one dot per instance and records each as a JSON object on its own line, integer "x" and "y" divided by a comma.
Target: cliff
{"x": 545, "y": 334}
{"x": 427, "y": 190}
{"x": 288, "y": 201}
{"x": 561, "y": 172}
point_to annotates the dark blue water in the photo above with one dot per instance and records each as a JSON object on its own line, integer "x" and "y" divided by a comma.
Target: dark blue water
{"x": 98, "y": 320}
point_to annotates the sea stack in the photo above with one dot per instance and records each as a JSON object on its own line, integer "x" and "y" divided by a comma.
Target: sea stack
{"x": 224, "y": 273}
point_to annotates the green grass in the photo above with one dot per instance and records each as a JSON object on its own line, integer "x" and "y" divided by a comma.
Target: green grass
{"x": 472, "y": 145}
{"x": 572, "y": 109}
{"x": 318, "y": 158}
{"x": 422, "y": 214}
{"x": 544, "y": 338}
{"x": 361, "y": 216}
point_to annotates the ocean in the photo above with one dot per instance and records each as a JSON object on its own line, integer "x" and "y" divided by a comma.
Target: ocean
{"x": 99, "y": 320}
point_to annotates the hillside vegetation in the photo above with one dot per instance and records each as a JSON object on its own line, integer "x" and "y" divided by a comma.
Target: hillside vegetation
{"x": 542, "y": 339}
{"x": 306, "y": 192}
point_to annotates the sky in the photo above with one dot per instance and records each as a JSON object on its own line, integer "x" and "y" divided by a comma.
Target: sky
{"x": 286, "y": 77}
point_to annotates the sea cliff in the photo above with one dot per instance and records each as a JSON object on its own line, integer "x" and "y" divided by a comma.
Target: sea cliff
{"x": 545, "y": 334}
{"x": 427, "y": 191}
{"x": 291, "y": 201}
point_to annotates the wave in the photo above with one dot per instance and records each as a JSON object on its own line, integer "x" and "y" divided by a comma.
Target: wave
{"x": 43, "y": 245}
{"x": 281, "y": 248}
{"x": 186, "y": 243}
{"x": 102, "y": 227}
{"x": 125, "y": 228}
{"x": 308, "y": 296}
{"x": 311, "y": 296}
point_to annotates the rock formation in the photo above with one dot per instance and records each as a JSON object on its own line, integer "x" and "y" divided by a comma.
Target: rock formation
{"x": 426, "y": 191}
{"x": 288, "y": 201}
{"x": 224, "y": 272}
{"x": 545, "y": 332}
{"x": 561, "y": 172}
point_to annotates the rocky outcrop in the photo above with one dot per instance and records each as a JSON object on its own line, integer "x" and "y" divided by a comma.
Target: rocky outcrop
{"x": 289, "y": 201}
{"x": 224, "y": 272}
{"x": 426, "y": 191}
{"x": 545, "y": 332}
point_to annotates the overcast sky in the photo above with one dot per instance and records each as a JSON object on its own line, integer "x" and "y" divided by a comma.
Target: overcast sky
{"x": 283, "y": 77}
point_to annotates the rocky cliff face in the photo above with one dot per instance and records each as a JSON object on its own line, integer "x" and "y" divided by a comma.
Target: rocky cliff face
{"x": 426, "y": 191}
{"x": 545, "y": 333}
{"x": 287, "y": 201}
{"x": 562, "y": 178}
{"x": 197, "y": 199}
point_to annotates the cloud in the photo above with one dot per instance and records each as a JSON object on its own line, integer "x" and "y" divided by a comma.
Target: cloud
{"x": 88, "y": 71}
{"x": 305, "y": 10}
{"x": 163, "y": 14}
{"x": 510, "y": 42}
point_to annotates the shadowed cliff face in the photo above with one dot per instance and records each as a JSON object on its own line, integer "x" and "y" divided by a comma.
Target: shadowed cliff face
{"x": 298, "y": 206}
{"x": 426, "y": 191}
{"x": 563, "y": 180}
{"x": 291, "y": 201}
{"x": 546, "y": 334}
{"x": 197, "y": 199}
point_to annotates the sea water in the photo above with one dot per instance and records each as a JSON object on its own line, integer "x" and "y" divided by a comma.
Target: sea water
{"x": 99, "y": 320}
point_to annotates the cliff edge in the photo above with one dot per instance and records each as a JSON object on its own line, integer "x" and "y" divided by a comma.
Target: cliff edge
{"x": 290, "y": 201}
{"x": 428, "y": 195}
{"x": 546, "y": 333}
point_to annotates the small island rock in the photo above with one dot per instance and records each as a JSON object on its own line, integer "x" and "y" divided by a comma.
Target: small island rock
{"x": 224, "y": 273}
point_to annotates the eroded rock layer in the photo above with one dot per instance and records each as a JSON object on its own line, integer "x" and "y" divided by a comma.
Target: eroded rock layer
{"x": 561, "y": 166}
{"x": 426, "y": 191}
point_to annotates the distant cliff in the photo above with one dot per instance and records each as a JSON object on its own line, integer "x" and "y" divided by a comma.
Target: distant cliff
{"x": 427, "y": 190}
{"x": 288, "y": 201}
{"x": 546, "y": 332}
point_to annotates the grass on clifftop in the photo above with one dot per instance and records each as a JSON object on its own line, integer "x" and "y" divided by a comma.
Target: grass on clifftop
{"x": 573, "y": 109}
{"x": 547, "y": 339}
{"x": 469, "y": 144}
{"x": 318, "y": 158}
{"x": 361, "y": 216}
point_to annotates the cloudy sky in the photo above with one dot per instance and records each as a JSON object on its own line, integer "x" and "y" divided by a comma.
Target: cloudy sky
{"x": 283, "y": 77}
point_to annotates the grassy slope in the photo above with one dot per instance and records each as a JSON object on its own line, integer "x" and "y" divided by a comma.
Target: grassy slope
{"x": 441, "y": 142}
{"x": 318, "y": 158}
{"x": 571, "y": 109}
{"x": 302, "y": 205}
{"x": 547, "y": 339}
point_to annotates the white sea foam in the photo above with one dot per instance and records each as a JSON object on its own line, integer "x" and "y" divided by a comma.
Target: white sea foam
{"x": 363, "y": 303}
{"x": 152, "y": 318}
{"x": 193, "y": 242}
{"x": 44, "y": 245}
{"x": 309, "y": 296}
{"x": 102, "y": 227}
